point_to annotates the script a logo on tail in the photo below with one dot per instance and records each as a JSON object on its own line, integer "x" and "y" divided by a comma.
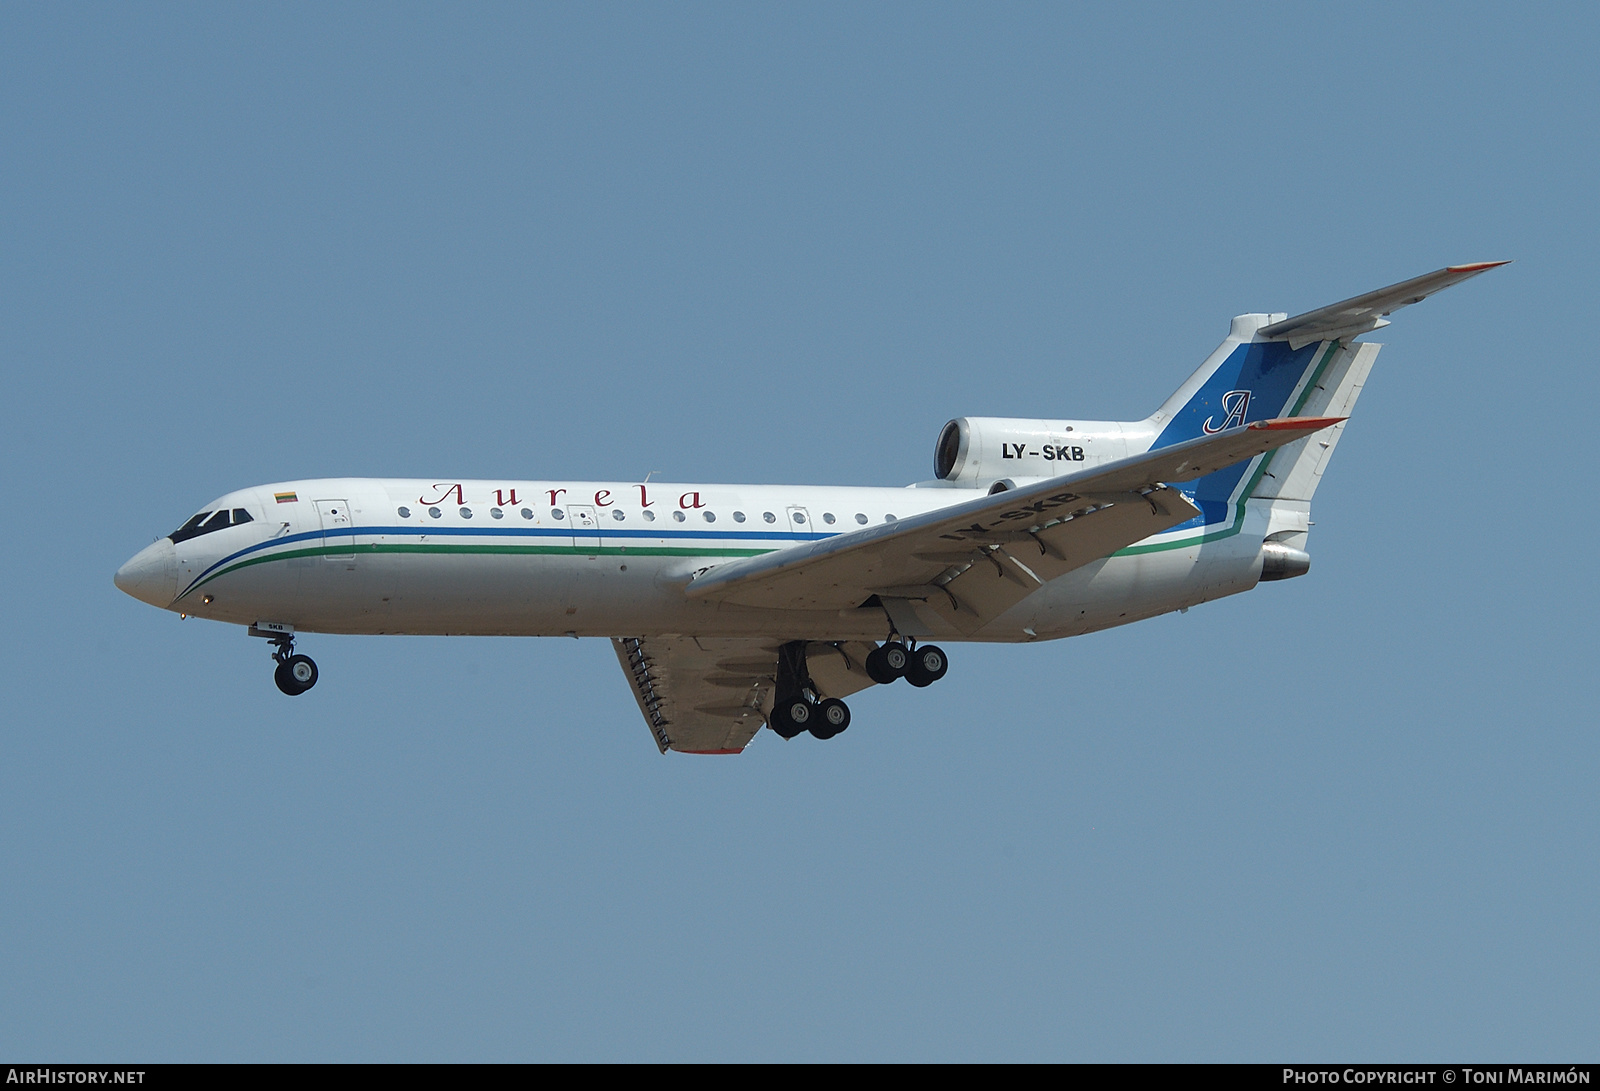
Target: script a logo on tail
{"x": 1234, "y": 405}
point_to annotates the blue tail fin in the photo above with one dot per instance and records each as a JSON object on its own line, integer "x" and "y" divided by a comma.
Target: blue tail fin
{"x": 1275, "y": 366}
{"x": 1246, "y": 379}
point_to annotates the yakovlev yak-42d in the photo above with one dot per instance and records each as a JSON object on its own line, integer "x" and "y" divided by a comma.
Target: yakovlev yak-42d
{"x": 734, "y": 606}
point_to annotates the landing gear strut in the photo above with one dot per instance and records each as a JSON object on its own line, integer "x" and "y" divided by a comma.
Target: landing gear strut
{"x": 295, "y": 673}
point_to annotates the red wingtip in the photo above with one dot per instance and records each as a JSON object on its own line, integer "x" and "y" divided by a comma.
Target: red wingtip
{"x": 1299, "y": 424}
{"x": 1475, "y": 267}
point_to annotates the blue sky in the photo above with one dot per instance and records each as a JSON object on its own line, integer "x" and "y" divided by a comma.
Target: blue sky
{"x": 1351, "y": 815}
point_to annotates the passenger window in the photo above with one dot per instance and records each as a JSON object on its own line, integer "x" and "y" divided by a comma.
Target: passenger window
{"x": 404, "y": 512}
{"x": 527, "y": 513}
{"x": 738, "y": 517}
{"x": 861, "y": 518}
{"x": 827, "y": 517}
{"x": 466, "y": 513}
{"x": 497, "y": 513}
{"x": 434, "y": 512}
{"x": 678, "y": 515}
{"x": 618, "y": 515}
{"x": 888, "y": 518}
{"x": 649, "y": 516}
{"x": 711, "y": 517}
{"x": 769, "y": 517}
{"x": 557, "y": 513}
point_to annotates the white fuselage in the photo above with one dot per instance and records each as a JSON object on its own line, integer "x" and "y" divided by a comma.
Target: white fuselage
{"x": 535, "y": 558}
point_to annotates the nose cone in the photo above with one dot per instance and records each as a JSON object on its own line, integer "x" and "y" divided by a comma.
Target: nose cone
{"x": 151, "y": 575}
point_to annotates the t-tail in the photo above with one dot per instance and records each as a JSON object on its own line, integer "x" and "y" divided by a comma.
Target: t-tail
{"x": 1270, "y": 367}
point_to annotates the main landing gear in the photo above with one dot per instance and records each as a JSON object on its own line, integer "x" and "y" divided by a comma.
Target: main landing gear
{"x": 800, "y": 708}
{"x": 920, "y": 666}
{"x": 802, "y": 712}
{"x": 295, "y": 673}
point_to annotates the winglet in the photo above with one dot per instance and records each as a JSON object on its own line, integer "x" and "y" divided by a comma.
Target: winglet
{"x": 1365, "y": 313}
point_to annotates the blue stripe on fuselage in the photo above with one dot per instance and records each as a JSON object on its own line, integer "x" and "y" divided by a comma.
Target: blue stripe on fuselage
{"x": 514, "y": 531}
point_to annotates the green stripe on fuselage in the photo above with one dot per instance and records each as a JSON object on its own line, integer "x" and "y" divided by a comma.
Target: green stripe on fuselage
{"x": 369, "y": 548}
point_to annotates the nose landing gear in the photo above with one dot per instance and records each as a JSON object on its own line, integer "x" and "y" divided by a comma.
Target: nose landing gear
{"x": 295, "y": 673}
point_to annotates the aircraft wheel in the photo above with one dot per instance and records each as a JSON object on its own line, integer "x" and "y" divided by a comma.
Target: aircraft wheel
{"x": 928, "y": 665}
{"x": 285, "y": 680}
{"x": 887, "y": 663}
{"x": 832, "y": 717}
{"x": 791, "y": 716}
{"x": 303, "y": 671}
{"x": 295, "y": 675}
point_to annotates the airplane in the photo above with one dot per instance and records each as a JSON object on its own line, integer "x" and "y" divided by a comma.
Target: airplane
{"x": 733, "y": 607}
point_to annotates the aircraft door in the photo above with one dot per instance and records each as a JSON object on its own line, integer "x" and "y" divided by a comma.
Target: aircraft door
{"x": 800, "y": 520}
{"x": 338, "y": 532}
{"x": 585, "y": 526}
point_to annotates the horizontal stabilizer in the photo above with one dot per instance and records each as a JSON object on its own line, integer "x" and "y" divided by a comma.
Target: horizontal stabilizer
{"x": 1365, "y": 313}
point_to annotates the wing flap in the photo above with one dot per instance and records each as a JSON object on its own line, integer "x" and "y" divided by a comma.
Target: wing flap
{"x": 690, "y": 698}
{"x": 1008, "y": 573}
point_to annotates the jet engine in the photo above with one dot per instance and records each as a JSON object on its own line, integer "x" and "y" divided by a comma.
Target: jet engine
{"x": 976, "y": 450}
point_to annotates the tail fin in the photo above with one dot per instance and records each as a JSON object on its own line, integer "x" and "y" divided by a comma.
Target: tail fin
{"x": 1294, "y": 471}
{"x": 1248, "y": 378}
{"x": 1275, "y": 366}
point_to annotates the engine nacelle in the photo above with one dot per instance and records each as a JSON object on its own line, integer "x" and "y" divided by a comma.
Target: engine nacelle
{"x": 975, "y": 450}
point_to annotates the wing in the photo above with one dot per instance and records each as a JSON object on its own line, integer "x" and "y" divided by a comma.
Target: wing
{"x": 973, "y": 561}
{"x": 702, "y": 695}
{"x": 1365, "y": 312}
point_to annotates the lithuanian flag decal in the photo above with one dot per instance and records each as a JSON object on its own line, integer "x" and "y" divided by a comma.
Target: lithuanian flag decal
{"x": 286, "y": 497}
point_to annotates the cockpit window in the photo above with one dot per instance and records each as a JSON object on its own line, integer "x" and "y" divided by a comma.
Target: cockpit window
{"x": 207, "y": 521}
{"x": 189, "y": 529}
